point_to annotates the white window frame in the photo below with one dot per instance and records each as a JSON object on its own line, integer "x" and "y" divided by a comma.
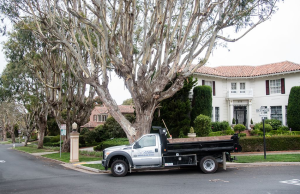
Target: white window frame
{"x": 276, "y": 112}
{"x": 217, "y": 114}
{"x": 233, "y": 87}
{"x": 275, "y": 86}
{"x": 243, "y": 89}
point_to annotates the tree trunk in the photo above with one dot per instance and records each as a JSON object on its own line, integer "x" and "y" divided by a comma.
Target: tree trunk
{"x": 13, "y": 138}
{"x": 4, "y": 134}
{"x": 42, "y": 126}
{"x": 66, "y": 145}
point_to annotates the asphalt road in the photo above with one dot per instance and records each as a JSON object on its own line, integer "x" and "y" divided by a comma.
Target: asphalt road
{"x": 24, "y": 173}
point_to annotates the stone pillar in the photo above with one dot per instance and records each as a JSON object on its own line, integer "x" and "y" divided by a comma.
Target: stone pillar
{"x": 249, "y": 114}
{"x": 230, "y": 111}
{"x": 74, "y": 143}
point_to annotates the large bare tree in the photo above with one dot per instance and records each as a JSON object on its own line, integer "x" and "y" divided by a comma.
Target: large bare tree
{"x": 148, "y": 43}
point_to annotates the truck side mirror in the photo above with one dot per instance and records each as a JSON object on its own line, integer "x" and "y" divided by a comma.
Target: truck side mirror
{"x": 136, "y": 145}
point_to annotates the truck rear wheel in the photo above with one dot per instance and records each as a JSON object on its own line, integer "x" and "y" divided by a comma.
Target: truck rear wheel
{"x": 208, "y": 164}
{"x": 119, "y": 168}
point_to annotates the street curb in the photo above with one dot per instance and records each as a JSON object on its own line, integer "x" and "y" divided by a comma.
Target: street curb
{"x": 92, "y": 169}
{"x": 262, "y": 164}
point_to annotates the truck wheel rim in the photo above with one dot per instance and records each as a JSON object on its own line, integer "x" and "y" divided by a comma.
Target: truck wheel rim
{"x": 208, "y": 165}
{"x": 119, "y": 168}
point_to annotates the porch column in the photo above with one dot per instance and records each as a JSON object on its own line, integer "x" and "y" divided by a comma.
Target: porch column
{"x": 230, "y": 111}
{"x": 249, "y": 114}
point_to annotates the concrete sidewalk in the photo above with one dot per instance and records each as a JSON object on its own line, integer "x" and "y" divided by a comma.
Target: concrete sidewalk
{"x": 267, "y": 153}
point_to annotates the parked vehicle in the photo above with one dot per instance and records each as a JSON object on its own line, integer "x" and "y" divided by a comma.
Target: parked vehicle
{"x": 154, "y": 151}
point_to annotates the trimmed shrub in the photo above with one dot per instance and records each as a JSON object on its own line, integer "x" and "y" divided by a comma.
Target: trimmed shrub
{"x": 55, "y": 139}
{"x": 274, "y": 123}
{"x": 47, "y": 139}
{"x": 110, "y": 143}
{"x": 274, "y": 143}
{"x": 239, "y": 127}
{"x": 202, "y": 102}
{"x": 202, "y": 125}
{"x": 219, "y": 126}
{"x": 89, "y": 136}
{"x": 268, "y": 127}
{"x": 242, "y": 135}
{"x": 293, "y": 109}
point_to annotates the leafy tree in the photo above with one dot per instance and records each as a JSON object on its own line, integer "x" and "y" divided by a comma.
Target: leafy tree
{"x": 202, "y": 102}
{"x": 175, "y": 111}
{"x": 202, "y": 125}
{"x": 127, "y": 102}
{"x": 161, "y": 41}
{"x": 113, "y": 129}
{"x": 293, "y": 109}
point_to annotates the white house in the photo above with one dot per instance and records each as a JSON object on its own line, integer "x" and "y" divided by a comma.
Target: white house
{"x": 238, "y": 91}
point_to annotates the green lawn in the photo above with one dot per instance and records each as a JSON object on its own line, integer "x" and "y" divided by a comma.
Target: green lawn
{"x": 269, "y": 158}
{"x": 32, "y": 148}
{"x": 65, "y": 157}
{"x": 96, "y": 166}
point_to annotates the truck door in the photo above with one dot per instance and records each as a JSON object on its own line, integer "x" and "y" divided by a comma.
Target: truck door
{"x": 146, "y": 151}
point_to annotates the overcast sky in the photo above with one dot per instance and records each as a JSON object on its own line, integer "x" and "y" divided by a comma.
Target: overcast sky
{"x": 273, "y": 41}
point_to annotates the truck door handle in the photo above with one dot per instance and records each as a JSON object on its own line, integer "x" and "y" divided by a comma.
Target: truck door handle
{"x": 156, "y": 150}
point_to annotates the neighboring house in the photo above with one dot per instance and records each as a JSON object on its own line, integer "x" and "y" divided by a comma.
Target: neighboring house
{"x": 238, "y": 91}
{"x": 100, "y": 114}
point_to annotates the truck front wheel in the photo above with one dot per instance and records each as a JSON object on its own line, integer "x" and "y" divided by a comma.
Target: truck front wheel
{"x": 119, "y": 168}
{"x": 208, "y": 164}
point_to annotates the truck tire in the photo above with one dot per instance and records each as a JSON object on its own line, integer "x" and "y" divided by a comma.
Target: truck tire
{"x": 208, "y": 164}
{"x": 119, "y": 168}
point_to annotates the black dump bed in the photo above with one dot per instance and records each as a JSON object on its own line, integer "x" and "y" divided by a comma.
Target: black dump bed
{"x": 230, "y": 145}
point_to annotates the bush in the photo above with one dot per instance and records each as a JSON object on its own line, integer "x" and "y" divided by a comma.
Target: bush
{"x": 55, "y": 139}
{"x": 221, "y": 133}
{"x": 219, "y": 126}
{"x": 34, "y": 137}
{"x": 229, "y": 132}
{"x": 274, "y": 123}
{"x": 283, "y": 128}
{"x": 47, "y": 139}
{"x": 256, "y": 126}
{"x": 293, "y": 113}
{"x": 89, "y": 136}
{"x": 202, "y": 102}
{"x": 274, "y": 143}
{"x": 239, "y": 127}
{"x": 268, "y": 127}
{"x": 81, "y": 141}
{"x": 100, "y": 133}
{"x": 202, "y": 125}
{"x": 242, "y": 134}
{"x": 83, "y": 131}
{"x": 110, "y": 143}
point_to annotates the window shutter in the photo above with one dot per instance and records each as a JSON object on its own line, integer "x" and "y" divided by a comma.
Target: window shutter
{"x": 267, "y": 88}
{"x": 203, "y": 82}
{"x": 214, "y": 89}
{"x": 282, "y": 86}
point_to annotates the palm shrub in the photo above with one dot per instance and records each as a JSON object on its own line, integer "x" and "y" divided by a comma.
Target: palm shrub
{"x": 239, "y": 127}
{"x": 293, "y": 113}
{"x": 202, "y": 125}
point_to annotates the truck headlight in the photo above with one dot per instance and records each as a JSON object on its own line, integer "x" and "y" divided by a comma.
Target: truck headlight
{"x": 106, "y": 154}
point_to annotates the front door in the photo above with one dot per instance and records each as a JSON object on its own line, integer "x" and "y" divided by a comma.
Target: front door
{"x": 240, "y": 114}
{"x": 146, "y": 151}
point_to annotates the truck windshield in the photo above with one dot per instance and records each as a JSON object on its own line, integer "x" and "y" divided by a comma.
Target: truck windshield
{"x": 147, "y": 141}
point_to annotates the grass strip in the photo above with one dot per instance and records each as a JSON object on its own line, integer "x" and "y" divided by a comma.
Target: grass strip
{"x": 32, "y": 148}
{"x": 65, "y": 157}
{"x": 269, "y": 158}
{"x": 96, "y": 166}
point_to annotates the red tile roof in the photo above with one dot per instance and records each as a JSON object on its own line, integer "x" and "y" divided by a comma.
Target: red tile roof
{"x": 125, "y": 109}
{"x": 250, "y": 71}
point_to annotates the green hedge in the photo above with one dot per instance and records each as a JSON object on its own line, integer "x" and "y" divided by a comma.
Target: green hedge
{"x": 274, "y": 143}
{"x": 110, "y": 143}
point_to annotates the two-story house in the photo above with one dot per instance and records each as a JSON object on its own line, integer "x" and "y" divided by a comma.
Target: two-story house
{"x": 238, "y": 91}
{"x": 100, "y": 114}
